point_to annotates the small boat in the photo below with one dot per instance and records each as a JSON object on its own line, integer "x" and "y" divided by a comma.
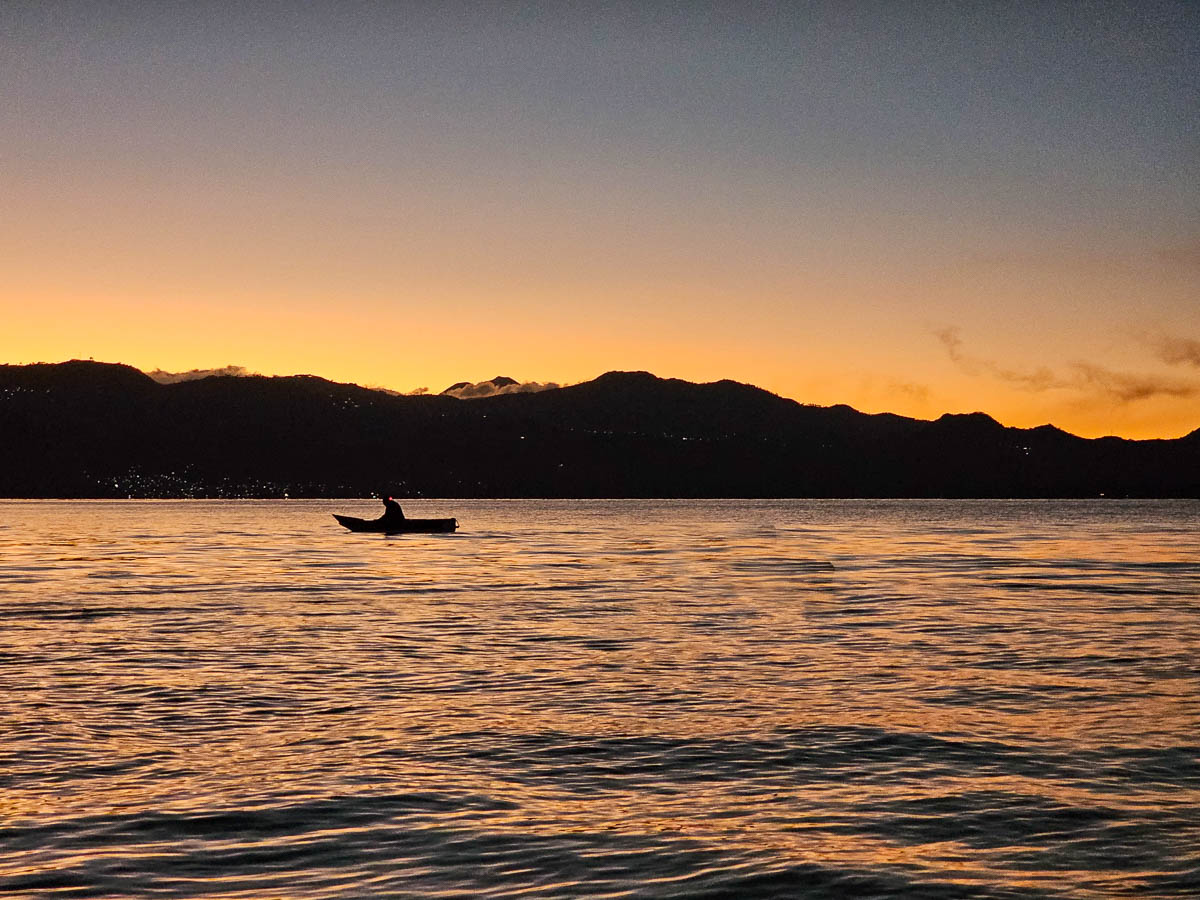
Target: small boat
{"x": 397, "y": 526}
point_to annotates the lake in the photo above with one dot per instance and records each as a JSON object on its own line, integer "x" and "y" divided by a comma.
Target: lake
{"x": 601, "y": 699}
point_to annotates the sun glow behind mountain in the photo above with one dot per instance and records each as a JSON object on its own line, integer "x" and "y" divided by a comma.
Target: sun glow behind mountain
{"x": 909, "y": 210}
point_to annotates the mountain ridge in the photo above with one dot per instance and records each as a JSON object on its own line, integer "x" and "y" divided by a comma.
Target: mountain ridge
{"x": 83, "y": 428}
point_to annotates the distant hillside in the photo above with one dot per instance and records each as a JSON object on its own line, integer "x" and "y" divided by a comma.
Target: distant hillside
{"x": 84, "y": 429}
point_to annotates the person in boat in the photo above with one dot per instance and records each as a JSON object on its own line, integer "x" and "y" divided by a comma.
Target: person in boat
{"x": 392, "y": 511}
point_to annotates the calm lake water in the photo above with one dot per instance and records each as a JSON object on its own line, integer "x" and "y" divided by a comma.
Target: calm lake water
{"x": 611, "y": 699}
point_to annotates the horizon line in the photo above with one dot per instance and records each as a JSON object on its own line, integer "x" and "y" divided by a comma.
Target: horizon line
{"x": 236, "y": 371}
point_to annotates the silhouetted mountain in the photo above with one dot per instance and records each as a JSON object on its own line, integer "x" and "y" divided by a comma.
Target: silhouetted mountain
{"x": 83, "y": 429}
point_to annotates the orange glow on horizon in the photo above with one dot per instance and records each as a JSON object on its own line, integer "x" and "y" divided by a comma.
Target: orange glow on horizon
{"x": 409, "y": 199}
{"x": 889, "y": 366}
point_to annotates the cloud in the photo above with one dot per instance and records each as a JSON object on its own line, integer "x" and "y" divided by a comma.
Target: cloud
{"x": 1124, "y": 387}
{"x": 1039, "y": 379}
{"x": 918, "y": 392}
{"x": 1179, "y": 351}
{"x": 465, "y": 391}
{"x": 951, "y": 340}
{"x": 192, "y": 375}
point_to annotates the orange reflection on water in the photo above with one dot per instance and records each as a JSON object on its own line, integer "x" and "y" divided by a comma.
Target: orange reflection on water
{"x": 858, "y": 687}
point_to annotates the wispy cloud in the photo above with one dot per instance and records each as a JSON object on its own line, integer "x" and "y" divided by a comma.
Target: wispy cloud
{"x": 910, "y": 389}
{"x": 1039, "y": 379}
{"x": 163, "y": 377}
{"x": 1128, "y": 387}
{"x": 1123, "y": 387}
{"x": 1179, "y": 351}
{"x": 952, "y": 341}
{"x": 491, "y": 389}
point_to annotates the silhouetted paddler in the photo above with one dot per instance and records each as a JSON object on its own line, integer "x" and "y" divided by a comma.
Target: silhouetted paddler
{"x": 392, "y": 511}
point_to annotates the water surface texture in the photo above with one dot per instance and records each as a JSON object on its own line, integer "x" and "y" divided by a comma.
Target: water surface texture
{"x": 610, "y": 699}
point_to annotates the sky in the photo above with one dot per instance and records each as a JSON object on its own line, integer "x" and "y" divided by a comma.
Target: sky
{"x": 909, "y": 207}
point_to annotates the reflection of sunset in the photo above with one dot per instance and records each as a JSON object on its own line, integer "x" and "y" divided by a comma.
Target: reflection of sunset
{"x": 862, "y": 686}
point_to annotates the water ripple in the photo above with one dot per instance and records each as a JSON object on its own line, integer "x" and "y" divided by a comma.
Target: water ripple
{"x": 609, "y": 699}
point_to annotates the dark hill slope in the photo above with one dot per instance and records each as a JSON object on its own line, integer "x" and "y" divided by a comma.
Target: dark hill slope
{"x": 92, "y": 429}
{"x": 638, "y": 402}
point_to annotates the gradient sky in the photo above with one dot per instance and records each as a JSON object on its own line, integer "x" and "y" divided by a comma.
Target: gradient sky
{"x": 913, "y": 207}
